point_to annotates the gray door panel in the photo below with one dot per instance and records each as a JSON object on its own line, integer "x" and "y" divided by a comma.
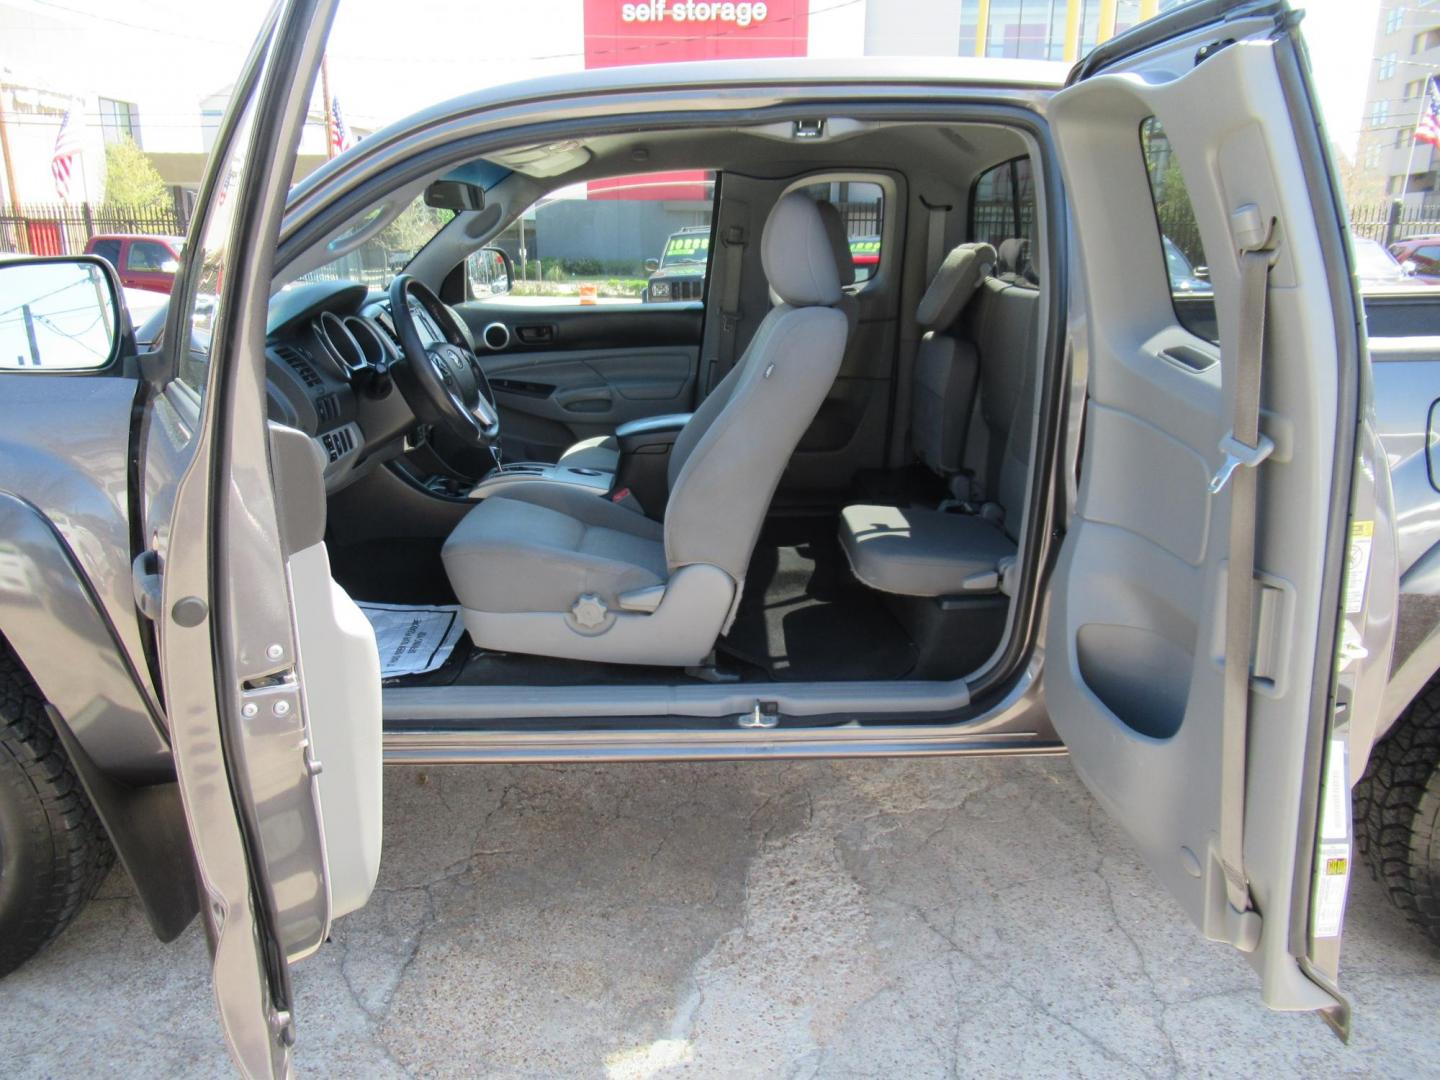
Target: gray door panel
{"x": 549, "y": 400}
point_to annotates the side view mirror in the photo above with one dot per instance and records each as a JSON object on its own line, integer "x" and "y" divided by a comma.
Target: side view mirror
{"x": 490, "y": 272}
{"x": 1203, "y": 273}
{"x": 60, "y": 314}
{"x": 1408, "y": 266}
{"x": 651, "y": 265}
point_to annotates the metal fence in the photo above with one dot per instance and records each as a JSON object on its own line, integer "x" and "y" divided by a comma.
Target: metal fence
{"x": 65, "y": 228}
{"x": 1389, "y": 222}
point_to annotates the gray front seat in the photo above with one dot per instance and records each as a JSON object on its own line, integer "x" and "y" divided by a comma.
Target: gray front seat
{"x": 603, "y": 451}
{"x": 546, "y": 569}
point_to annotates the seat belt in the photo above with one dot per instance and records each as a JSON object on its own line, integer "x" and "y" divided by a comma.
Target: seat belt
{"x": 1244, "y": 449}
{"x": 732, "y": 251}
{"x": 935, "y": 237}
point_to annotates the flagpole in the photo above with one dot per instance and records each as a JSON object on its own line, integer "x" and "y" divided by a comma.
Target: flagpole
{"x": 1410, "y": 160}
{"x": 329, "y": 113}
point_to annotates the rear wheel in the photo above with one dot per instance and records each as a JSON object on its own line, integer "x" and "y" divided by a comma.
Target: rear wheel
{"x": 1397, "y": 811}
{"x": 53, "y": 849}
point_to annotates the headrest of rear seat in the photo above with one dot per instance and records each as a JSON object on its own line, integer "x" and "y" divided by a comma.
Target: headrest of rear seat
{"x": 953, "y": 285}
{"x": 1013, "y": 262}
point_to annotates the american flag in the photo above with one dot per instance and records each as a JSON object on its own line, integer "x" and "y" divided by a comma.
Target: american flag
{"x": 62, "y": 158}
{"x": 1428, "y": 129}
{"x": 339, "y": 133}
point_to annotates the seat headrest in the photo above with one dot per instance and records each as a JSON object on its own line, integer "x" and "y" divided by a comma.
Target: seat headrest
{"x": 796, "y": 254}
{"x": 834, "y": 223}
{"x": 1013, "y": 257}
{"x": 953, "y": 285}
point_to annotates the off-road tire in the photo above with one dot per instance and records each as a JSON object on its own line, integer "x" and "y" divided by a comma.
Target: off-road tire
{"x": 1397, "y": 811}
{"x": 53, "y": 850}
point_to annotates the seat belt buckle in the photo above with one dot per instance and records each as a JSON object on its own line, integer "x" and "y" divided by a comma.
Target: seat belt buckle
{"x": 1238, "y": 454}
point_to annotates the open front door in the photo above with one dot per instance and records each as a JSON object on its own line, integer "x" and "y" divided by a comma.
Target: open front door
{"x": 1214, "y": 318}
{"x": 270, "y": 674}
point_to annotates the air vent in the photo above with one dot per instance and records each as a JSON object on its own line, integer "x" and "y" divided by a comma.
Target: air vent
{"x": 299, "y": 363}
{"x": 326, "y": 407}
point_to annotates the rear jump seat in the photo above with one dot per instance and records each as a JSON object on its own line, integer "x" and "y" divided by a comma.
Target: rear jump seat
{"x": 920, "y": 551}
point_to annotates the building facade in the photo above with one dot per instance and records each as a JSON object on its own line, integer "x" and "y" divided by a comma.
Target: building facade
{"x": 1406, "y": 57}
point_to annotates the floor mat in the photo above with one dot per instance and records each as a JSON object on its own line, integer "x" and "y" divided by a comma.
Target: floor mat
{"x": 804, "y": 617}
{"x": 413, "y": 639}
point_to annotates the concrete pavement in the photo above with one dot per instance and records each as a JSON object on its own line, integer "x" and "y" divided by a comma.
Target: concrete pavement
{"x": 903, "y": 918}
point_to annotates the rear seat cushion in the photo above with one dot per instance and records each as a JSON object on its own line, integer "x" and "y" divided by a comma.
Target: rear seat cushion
{"x": 916, "y": 551}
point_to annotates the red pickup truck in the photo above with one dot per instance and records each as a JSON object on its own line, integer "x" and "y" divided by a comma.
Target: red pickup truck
{"x": 143, "y": 262}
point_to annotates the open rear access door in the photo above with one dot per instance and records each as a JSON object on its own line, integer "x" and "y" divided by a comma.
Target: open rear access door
{"x": 1220, "y": 350}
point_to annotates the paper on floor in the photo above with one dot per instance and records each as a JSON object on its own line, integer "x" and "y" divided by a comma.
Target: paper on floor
{"x": 413, "y": 639}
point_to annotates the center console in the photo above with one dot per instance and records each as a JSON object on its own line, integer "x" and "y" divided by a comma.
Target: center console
{"x": 596, "y": 481}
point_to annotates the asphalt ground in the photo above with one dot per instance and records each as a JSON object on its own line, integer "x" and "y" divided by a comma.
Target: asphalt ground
{"x": 910, "y": 918}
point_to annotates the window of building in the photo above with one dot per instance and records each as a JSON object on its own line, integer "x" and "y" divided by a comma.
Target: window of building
{"x": 1372, "y": 156}
{"x": 1394, "y": 17}
{"x": 1387, "y": 66}
{"x": 118, "y": 120}
{"x": 1180, "y": 244}
{"x": 1002, "y": 207}
{"x": 1379, "y": 113}
{"x": 628, "y": 239}
{"x": 862, "y": 206}
{"x": 1426, "y": 40}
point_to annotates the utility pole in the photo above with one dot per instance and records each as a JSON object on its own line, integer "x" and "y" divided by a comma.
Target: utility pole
{"x": 22, "y": 230}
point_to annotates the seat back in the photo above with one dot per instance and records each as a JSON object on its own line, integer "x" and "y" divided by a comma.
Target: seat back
{"x": 727, "y": 460}
{"x": 946, "y": 367}
{"x": 834, "y": 223}
{"x": 1003, "y": 322}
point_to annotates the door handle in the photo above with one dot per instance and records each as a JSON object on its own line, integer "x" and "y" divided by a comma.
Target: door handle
{"x": 146, "y": 580}
{"x": 586, "y": 400}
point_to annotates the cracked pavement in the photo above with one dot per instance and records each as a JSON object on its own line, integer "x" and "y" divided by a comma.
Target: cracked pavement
{"x": 932, "y": 917}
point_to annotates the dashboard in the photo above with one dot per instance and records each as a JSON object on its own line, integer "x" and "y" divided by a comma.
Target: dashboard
{"x": 329, "y": 350}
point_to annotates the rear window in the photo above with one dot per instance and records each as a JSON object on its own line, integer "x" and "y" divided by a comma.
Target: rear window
{"x": 1002, "y": 208}
{"x": 862, "y": 205}
{"x": 1189, "y": 272}
{"x": 109, "y": 250}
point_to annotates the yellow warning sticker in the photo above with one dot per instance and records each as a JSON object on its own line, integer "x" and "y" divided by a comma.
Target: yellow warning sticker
{"x": 1357, "y": 565}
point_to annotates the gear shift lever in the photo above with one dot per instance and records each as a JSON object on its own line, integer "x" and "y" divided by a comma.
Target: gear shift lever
{"x": 495, "y": 453}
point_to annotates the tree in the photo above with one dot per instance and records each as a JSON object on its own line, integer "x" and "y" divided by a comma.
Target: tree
{"x": 130, "y": 179}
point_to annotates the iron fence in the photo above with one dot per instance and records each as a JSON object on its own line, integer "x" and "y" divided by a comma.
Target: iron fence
{"x": 65, "y": 228}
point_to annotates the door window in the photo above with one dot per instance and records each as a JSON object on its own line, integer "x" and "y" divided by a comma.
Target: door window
{"x": 147, "y": 256}
{"x": 199, "y": 310}
{"x": 1002, "y": 207}
{"x": 862, "y": 206}
{"x": 1426, "y": 259}
{"x": 109, "y": 250}
{"x": 622, "y": 240}
{"x": 1185, "y": 261}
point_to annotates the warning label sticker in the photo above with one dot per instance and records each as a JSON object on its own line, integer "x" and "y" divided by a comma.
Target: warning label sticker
{"x": 1357, "y": 565}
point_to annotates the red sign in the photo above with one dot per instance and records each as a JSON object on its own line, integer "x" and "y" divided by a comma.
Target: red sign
{"x": 619, "y": 32}
{"x": 665, "y": 31}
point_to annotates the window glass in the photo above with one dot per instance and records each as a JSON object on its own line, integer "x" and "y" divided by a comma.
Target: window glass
{"x": 1002, "y": 207}
{"x": 109, "y": 250}
{"x": 199, "y": 311}
{"x": 862, "y": 206}
{"x": 1185, "y": 260}
{"x": 386, "y": 254}
{"x": 119, "y": 120}
{"x": 146, "y": 255}
{"x": 622, "y": 240}
{"x": 1426, "y": 259}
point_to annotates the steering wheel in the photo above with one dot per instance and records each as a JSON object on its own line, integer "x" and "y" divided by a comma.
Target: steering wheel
{"x": 442, "y": 381}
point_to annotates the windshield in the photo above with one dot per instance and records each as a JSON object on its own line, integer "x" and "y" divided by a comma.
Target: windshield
{"x": 376, "y": 262}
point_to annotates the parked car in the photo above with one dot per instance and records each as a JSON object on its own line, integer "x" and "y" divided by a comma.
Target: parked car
{"x": 1184, "y": 277}
{"x": 143, "y": 262}
{"x": 1421, "y": 256}
{"x": 679, "y": 273}
{"x": 816, "y": 561}
{"x": 1378, "y": 268}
